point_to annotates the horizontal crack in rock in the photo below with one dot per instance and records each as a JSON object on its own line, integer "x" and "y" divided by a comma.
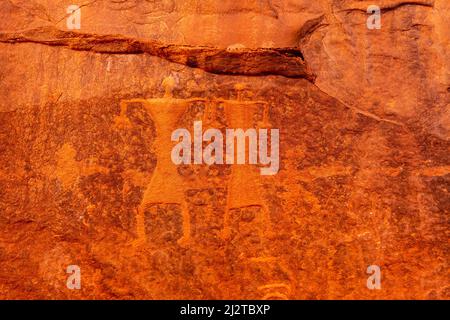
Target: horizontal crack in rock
{"x": 287, "y": 62}
{"x": 392, "y": 6}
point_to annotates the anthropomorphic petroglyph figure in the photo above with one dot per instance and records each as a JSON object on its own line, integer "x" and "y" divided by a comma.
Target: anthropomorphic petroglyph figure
{"x": 247, "y": 222}
{"x": 244, "y": 189}
{"x": 163, "y": 201}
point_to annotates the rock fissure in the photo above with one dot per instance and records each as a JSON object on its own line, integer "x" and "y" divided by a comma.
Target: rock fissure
{"x": 287, "y": 62}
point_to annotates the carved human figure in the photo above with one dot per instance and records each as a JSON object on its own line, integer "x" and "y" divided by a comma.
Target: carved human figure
{"x": 245, "y": 206}
{"x": 163, "y": 199}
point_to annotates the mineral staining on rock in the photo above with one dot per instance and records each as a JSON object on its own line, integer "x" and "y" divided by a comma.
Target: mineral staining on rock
{"x": 86, "y": 176}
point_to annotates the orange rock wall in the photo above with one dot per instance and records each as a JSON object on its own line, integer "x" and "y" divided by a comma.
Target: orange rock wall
{"x": 85, "y": 171}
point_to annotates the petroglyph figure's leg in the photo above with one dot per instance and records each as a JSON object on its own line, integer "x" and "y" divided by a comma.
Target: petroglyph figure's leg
{"x": 277, "y": 279}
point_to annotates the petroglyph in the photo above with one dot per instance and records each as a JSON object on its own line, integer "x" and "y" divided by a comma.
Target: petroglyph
{"x": 165, "y": 192}
{"x": 244, "y": 188}
{"x": 166, "y": 187}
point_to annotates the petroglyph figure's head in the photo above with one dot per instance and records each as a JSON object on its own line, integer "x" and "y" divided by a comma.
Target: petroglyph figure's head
{"x": 168, "y": 84}
{"x": 239, "y": 87}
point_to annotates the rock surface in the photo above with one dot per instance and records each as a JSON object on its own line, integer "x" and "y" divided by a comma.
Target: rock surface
{"x": 364, "y": 149}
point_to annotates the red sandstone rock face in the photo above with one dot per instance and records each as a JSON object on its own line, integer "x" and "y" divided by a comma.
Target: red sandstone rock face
{"x": 364, "y": 151}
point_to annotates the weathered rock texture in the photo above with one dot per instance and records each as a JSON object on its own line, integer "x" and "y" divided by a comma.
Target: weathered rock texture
{"x": 364, "y": 149}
